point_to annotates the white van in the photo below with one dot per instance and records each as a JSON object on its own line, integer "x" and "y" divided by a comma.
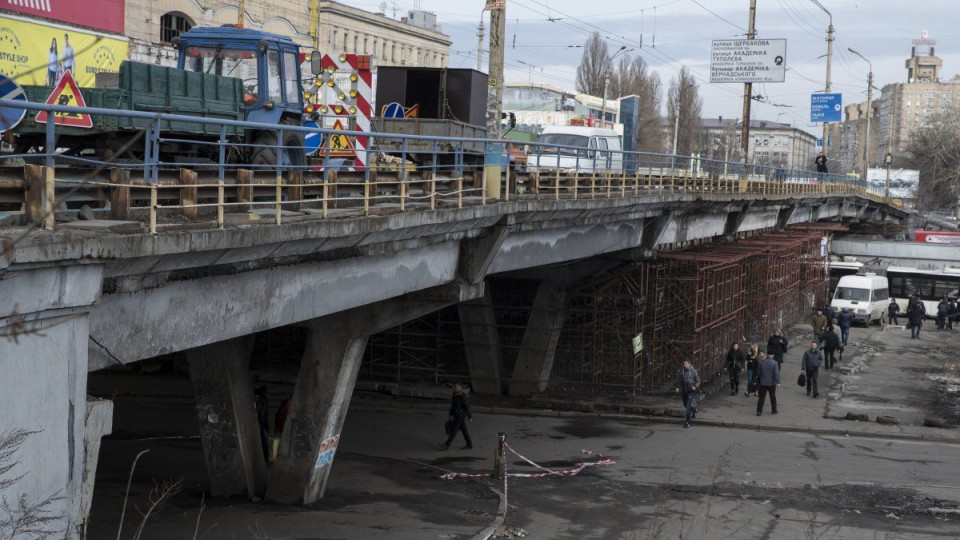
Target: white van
{"x": 866, "y": 295}
{"x": 597, "y": 149}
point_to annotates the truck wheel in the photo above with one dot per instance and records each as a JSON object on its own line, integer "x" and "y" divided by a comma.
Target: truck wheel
{"x": 264, "y": 153}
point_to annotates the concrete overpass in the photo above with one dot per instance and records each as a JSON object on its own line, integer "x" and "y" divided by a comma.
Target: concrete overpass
{"x": 77, "y": 300}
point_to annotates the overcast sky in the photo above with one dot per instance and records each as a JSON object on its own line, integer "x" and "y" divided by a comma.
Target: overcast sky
{"x": 545, "y": 50}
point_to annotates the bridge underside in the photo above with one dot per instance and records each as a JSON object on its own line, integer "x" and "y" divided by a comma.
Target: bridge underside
{"x": 113, "y": 300}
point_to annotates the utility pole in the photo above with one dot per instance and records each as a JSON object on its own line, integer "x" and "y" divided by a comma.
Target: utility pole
{"x": 240, "y": 10}
{"x": 748, "y": 90}
{"x": 866, "y": 138}
{"x": 498, "y": 30}
{"x": 603, "y": 105}
{"x": 826, "y": 90}
{"x": 480, "y": 44}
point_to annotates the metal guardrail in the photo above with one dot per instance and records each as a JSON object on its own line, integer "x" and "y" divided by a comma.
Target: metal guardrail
{"x": 395, "y": 178}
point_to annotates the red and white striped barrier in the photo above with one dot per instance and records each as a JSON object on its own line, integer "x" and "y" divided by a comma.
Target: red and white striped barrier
{"x": 577, "y": 467}
{"x": 344, "y": 90}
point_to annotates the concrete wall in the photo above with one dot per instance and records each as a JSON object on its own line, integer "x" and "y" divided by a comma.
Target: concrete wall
{"x": 898, "y": 253}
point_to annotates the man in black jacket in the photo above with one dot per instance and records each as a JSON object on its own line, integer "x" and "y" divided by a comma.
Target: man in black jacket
{"x": 943, "y": 309}
{"x": 769, "y": 379}
{"x": 845, "y": 321}
{"x": 459, "y": 414}
{"x": 687, "y": 387}
{"x": 777, "y": 345}
{"x": 831, "y": 343}
{"x": 812, "y": 359}
{"x": 892, "y": 311}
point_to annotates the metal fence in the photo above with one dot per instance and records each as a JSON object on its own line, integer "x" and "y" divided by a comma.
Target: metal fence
{"x": 206, "y": 169}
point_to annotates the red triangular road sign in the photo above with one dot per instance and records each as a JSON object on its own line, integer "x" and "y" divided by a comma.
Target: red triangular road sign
{"x": 67, "y": 93}
{"x": 339, "y": 145}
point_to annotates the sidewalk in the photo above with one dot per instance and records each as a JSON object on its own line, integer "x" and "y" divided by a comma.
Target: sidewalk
{"x": 796, "y": 411}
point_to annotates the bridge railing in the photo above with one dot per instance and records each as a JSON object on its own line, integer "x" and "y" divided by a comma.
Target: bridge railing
{"x": 161, "y": 168}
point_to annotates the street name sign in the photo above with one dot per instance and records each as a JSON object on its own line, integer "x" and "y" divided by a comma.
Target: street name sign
{"x": 748, "y": 60}
{"x": 826, "y": 107}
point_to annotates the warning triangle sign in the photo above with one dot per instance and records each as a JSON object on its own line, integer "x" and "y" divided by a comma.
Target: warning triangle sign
{"x": 67, "y": 93}
{"x": 339, "y": 145}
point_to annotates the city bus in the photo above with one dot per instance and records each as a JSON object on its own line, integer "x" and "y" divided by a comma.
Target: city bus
{"x": 930, "y": 285}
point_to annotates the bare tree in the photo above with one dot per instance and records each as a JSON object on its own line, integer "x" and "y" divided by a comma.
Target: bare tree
{"x": 685, "y": 92}
{"x": 934, "y": 150}
{"x": 594, "y": 66}
{"x": 23, "y": 518}
{"x": 632, "y": 77}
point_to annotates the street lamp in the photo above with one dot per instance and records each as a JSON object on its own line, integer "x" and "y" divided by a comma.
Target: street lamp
{"x": 826, "y": 89}
{"x": 606, "y": 83}
{"x": 866, "y": 139}
{"x": 676, "y": 120}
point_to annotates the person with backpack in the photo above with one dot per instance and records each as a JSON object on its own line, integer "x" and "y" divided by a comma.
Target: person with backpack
{"x": 845, "y": 321}
{"x": 777, "y": 345}
{"x": 943, "y": 309}
{"x": 687, "y": 387}
{"x": 459, "y": 414}
{"x": 831, "y": 344}
{"x": 733, "y": 366}
{"x": 892, "y": 311}
{"x": 810, "y": 364}
{"x": 753, "y": 361}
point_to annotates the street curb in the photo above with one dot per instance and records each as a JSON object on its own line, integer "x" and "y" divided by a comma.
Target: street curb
{"x": 511, "y": 411}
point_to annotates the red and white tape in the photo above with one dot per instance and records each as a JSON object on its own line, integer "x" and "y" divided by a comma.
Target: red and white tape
{"x": 577, "y": 467}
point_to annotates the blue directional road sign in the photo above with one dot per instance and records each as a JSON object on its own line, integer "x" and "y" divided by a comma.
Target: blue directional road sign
{"x": 826, "y": 107}
{"x": 11, "y": 116}
{"x": 393, "y": 110}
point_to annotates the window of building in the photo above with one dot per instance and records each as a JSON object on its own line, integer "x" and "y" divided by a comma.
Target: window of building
{"x": 384, "y": 53}
{"x": 345, "y": 41}
{"x": 393, "y": 52}
{"x": 365, "y": 50}
{"x": 333, "y": 38}
{"x": 356, "y": 41}
{"x": 172, "y": 25}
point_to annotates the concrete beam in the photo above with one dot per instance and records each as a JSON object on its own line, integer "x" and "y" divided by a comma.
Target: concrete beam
{"x": 784, "y": 215}
{"x": 539, "y": 346}
{"x": 477, "y": 254}
{"x": 734, "y": 222}
{"x": 328, "y": 374}
{"x": 229, "y": 430}
{"x": 481, "y": 340}
{"x": 654, "y": 229}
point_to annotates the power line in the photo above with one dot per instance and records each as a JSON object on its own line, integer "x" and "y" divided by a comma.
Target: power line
{"x": 705, "y": 8}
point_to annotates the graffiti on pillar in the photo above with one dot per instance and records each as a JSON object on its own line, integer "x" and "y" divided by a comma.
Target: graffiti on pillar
{"x": 327, "y": 449}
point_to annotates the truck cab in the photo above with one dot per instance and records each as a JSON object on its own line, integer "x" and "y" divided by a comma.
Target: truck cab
{"x": 269, "y": 66}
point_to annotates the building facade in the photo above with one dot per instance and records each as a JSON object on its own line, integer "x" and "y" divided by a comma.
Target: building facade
{"x": 330, "y": 27}
{"x": 772, "y": 144}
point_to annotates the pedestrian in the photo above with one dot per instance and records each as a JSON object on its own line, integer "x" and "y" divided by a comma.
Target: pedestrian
{"x": 812, "y": 359}
{"x": 952, "y": 313}
{"x": 459, "y": 414}
{"x": 892, "y": 310}
{"x": 687, "y": 387}
{"x": 733, "y": 366}
{"x": 769, "y": 379}
{"x": 753, "y": 360}
{"x": 821, "y": 163}
{"x": 831, "y": 315}
{"x": 777, "y": 345}
{"x": 819, "y": 324}
{"x": 261, "y": 404}
{"x": 943, "y": 309}
{"x": 831, "y": 344}
{"x": 845, "y": 321}
{"x": 915, "y": 316}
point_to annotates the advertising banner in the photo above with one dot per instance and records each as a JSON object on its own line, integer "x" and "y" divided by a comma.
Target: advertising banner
{"x": 35, "y": 54}
{"x": 106, "y": 15}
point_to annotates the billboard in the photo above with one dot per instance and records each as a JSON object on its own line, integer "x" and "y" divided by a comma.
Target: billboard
{"x": 36, "y": 54}
{"x": 826, "y": 108}
{"x": 748, "y": 60}
{"x": 106, "y": 15}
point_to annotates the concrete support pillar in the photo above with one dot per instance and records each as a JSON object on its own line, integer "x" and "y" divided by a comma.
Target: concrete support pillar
{"x": 481, "y": 339}
{"x": 44, "y": 328}
{"x": 539, "y": 346}
{"x": 328, "y": 374}
{"x": 99, "y": 424}
{"x": 229, "y": 432}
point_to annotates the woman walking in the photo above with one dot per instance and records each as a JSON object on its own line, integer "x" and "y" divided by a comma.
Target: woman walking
{"x": 53, "y": 64}
{"x": 733, "y": 366}
{"x": 459, "y": 414}
{"x": 753, "y": 361}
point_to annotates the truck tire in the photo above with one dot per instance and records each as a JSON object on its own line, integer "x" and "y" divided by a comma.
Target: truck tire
{"x": 264, "y": 153}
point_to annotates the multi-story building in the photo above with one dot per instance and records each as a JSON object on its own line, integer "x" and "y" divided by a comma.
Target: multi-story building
{"x": 846, "y": 138}
{"x": 772, "y": 144}
{"x": 536, "y": 105}
{"x": 330, "y": 27}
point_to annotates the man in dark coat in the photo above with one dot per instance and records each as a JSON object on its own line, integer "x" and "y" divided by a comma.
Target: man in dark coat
{"x": 821, "y": 163}
{"x": 892, "y": 311}
{"x": 459, "y": 414}
{"x": 769, "y": 378}
{"x": 831, "y": 343}
{"x": 687, "y": 387}
{"x": 812, "y": 359}
{"x": 915, "y": 315}
{"x": 819, "y": 323}
{"x": 943, "y": 309}
{"x": 845, "y": 321}
{"x": 733, "y": 366}
{"x": 777, "y": 345}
